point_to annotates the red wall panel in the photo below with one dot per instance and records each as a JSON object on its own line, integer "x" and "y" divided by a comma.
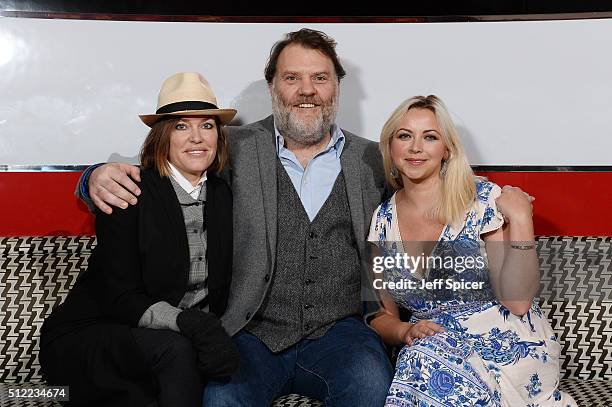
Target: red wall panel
{"x": 42, "y": 204}
{"x": 567, "y": 203}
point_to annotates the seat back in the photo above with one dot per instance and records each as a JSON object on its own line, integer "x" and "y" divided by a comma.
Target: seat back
{"x": 38, "y": 272}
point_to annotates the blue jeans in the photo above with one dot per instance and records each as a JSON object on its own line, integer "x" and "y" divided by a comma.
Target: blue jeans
{"x": 345, "y": 367}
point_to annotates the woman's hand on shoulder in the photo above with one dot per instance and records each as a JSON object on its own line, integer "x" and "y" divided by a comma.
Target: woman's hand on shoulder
{"x": 419, "y": 330}
{"x": 515, "y": 205}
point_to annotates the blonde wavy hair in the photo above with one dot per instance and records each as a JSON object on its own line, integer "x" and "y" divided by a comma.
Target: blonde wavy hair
{"x": 458, "y": 180}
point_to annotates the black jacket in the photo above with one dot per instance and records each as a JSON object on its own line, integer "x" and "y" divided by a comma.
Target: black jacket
{"x": 142, "y": 257}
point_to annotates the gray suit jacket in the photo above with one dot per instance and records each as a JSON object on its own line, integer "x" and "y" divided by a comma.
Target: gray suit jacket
{"x": 253, "y": 178}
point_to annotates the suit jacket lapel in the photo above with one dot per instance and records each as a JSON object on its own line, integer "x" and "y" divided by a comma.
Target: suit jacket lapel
{"x": 350, "y": 161}
{"x": 218, "y": 225}
{"x": 266, "y": 154}
{"x": 212, "y": 216}
{"x": 167, "y": 196}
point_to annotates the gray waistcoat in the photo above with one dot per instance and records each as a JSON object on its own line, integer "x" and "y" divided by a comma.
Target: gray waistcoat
{"x": 193, "y": 214}
{"x": 317, "y": 277}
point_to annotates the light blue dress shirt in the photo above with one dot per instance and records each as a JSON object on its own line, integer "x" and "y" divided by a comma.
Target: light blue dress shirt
{"x": 315, "y": 182}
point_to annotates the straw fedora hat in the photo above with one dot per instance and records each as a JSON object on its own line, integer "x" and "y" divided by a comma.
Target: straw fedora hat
{"x": 187, "y": 94}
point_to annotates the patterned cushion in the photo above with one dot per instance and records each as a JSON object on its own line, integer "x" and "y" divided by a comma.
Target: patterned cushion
{"x": 295, "y": 400}
{"x": 577, "y": 295}
{"x": 37, "y": 273}
{"x": 589, "y": 393}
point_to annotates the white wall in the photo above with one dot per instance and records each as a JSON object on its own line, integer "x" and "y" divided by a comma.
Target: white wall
{"x": 523, "y": 93}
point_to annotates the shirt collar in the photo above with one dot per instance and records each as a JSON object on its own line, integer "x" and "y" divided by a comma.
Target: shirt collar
{"x": 183, "y": 182}
{"x": 336, "y": 142}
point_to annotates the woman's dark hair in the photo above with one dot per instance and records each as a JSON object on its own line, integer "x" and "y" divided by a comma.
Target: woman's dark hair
{"x": 156, "y": 147}
{"x": 307, "y": 38}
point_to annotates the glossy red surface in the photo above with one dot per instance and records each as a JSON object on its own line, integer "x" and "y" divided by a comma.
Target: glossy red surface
{"x": 42, "y": 204}
{"x": 567, "y": 203}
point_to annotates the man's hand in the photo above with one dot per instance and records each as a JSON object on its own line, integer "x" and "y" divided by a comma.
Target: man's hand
{"x": 111, "y": 184}
{"x": 514, "y": 203}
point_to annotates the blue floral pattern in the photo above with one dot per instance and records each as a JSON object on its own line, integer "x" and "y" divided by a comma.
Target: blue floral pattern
{"x": 534, "y": 386}
{"x": 486, "y": 356}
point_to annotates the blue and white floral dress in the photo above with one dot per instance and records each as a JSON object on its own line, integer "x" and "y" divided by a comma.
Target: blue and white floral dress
{"x": 487, "y": 356}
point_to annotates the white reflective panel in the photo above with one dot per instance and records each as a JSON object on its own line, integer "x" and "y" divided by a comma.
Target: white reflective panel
{"x": 522, "y": 93}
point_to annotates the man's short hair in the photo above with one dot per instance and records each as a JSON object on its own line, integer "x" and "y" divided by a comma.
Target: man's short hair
{"x": 307, "y": 38}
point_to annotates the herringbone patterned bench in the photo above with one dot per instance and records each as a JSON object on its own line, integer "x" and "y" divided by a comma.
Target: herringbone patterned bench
{"x": 37, "y": 273}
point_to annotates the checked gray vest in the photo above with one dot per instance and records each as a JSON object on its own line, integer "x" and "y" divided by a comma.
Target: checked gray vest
{"x": 317, "y": 277}
{"x": 193, "y": 215}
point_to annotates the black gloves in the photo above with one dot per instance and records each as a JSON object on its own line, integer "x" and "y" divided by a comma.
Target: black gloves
{"x": 217, "y": 354}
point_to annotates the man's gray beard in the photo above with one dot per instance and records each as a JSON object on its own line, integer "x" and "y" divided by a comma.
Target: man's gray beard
{"x": 306, "y": 134}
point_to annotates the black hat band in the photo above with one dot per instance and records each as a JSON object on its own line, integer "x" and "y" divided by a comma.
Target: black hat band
{"x": 187, "y": 105}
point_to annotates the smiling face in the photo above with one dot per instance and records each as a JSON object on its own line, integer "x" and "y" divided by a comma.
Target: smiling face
{"x": 193, "y": 146}
{"x": 304, "y": 94}
{"x": 417, "y": 149}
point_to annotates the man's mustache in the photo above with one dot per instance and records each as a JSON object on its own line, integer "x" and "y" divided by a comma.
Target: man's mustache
{"x": 299, "y": 101}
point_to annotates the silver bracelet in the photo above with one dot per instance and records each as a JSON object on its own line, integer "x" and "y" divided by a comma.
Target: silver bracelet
{"x": 523, "y": 246}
